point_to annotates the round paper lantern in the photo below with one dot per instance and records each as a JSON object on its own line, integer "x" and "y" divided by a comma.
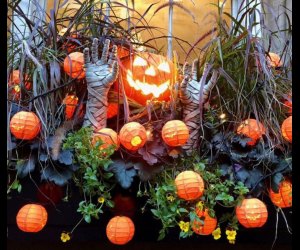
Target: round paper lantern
{"x": 286, "y": 129}
{"x": 284, "y": 196}
{"x": 112, "y": 109}
{"x": 252, "y": 129}
{"x": 274, "y": 60}
{"x": 206, "y": 227}
{"x": 71, "y": 102}
{"x": 32, "y": 218}
{"x": 108, "y": 137}
{"x": 125, "y": 205}
{"x": 14, "y": 83}
{"x": 73, "y": 65}
{"x": 133, "y": 136}
{"x": 25, "y": 125}
{"x": 252, "y": 213}
{"x": 175, "y": 133}
{"x": 49, "y": 193}
{"x": 189, "y": 185}
{"x": 120, "y": 230}
{"x": 147, "y": 76}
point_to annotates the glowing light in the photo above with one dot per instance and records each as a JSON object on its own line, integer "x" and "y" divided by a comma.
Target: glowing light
{"x": 222, "y": 116}
{"x": 135, "y": 141}
{"x": 164, "y": 66}
{"x": 138, "y": 61}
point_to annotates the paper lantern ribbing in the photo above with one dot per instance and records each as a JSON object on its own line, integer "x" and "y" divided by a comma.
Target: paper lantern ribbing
{"x": 73, "y": 65}
{"x": 286, "y": 129}
{"x": 14, "y": 83}
{"x": 208, "y": 225}
{"x": 71, "y": 102}
{"x": 252, "y": 213}
{"x": 147, "y": 76}
{"x": 175, "y": 133}
{"x": 112, "y": 109}
{"x": 107, "y": 136}
{"x": 25, "y": 125}
{"x": 32, "y": 218}
{"x": 189, "y": 185}
{"x": 120, "y": 230}
{"x": 252, "y": 129}
{"x": 283, "y": 198}
{"x": 274, "y": 60}
{"x": 133, "y": 136}
{"x": 49, "y": 193}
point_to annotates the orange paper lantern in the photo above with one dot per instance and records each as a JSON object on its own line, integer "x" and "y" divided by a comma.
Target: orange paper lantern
{"x": 252, "y": 129}
{"x": 14, "y": 83}
{"x": 189, "y": 185}
{"x": 206, "y": 227}
{"x": 175, "y": 133}
{"x": 252, "y": 213}
{"x": 133, "y": 136}
{"x": 112, "y": 109}
{"x": 274, "y": 60}
{"x": 108, "y": 137}
{"x": 120, "y": 230}
{"x": 284, "y": 196}
{"x": 25, "y": 125}
{"x": 71, "y": 102}
{"x": 73, "y": 65}
{"x": 32, "y": 218}
{"x": 286, "y": 129}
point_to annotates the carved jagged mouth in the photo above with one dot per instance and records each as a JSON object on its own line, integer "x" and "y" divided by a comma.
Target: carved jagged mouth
{"x": 147, "y": 88}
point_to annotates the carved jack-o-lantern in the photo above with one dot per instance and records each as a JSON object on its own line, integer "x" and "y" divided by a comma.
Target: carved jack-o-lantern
{"x": 147, "y": 76}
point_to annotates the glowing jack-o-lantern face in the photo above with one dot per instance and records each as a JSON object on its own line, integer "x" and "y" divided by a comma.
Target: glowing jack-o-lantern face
{"x": 147, "y": 76}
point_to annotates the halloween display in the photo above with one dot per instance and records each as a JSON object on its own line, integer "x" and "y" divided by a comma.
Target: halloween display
{"x": 286, "y": 129}
{"x": 282, "y": 198}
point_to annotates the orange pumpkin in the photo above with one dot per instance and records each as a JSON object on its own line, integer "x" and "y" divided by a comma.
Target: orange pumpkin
{"x": 175, "y": 133}
{"x": 133, "y": 136}
{"x": 286, "y": 129}
{"x": 252, "y": 129}
{"x": 71, "y": 102}
{"x": 32, "y": 218}
{"x": 120, "y": 230}
{"x": 49, "y": 193}
{"x": 284, "y": 196}
{"x": 252, "y": 213}
{"x": 274, "y": 60}
{"x": 14, "y": 83}
{"x": 73, "y": 65}
{"x": 25, "y": 125}
{"x": 108, "y": 136}
{"x": 112, "y": 109}
{"x": 206, "y": 227}
{"x": 147, "y": 76}
{"x": 189, "y": 185}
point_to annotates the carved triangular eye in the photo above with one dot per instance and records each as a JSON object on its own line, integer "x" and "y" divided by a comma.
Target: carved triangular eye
{"x": 164, "y": 66}
{"x": 139, "y": 61}
{"x": 150, "y": 71}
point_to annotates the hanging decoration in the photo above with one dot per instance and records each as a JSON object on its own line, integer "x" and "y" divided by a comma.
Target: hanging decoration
{"x": 286, "y": 129}
{"x": 252, "y": 129}
{"x": 175, "y": 133}
{"x": 133, "y": 136}
{"x": 283, "y": 198}
{"x": 108, "y": 137}
{"x": 71, "y": 102}
{"x": 14, "y": 82}
{"x": 73, "y": 65}
{"x": 32, "y": 218}
{"x": 206, "y": 225}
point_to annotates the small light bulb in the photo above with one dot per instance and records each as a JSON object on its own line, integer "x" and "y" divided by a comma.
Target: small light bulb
{"x": 222, "y": 116}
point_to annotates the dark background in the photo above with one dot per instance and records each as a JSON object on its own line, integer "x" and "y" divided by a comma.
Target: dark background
{"x": 63, "y": 217}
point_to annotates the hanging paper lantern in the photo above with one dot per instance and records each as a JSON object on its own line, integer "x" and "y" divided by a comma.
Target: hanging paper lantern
{"x": 71, "y": 102}
{"x": 14, "y": 83}
{"x": 124, "y": 205}
{"x": 189, "y": 185}
{"x": 49, "y": 192}
{"x": 274, "y": 60}
{"x": 120, "y": 230}
{"x": 147, "y": 76}
{"x": 32, "y": 218}
{"x": 206, "y": 227}
{"x": 252, "y": 129}
{"x": 73, "y": 65}
{"x": 133, "y": 136}
{"x": 175, "y": 133}
{"x": 25, "y": 125}
{"x": 252, "y": 213}
{"x": 284, "y": 196}
{"x": 112, "y": 109}
{"x": 108, "y": 136}
{"x": 286, "y": 129}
